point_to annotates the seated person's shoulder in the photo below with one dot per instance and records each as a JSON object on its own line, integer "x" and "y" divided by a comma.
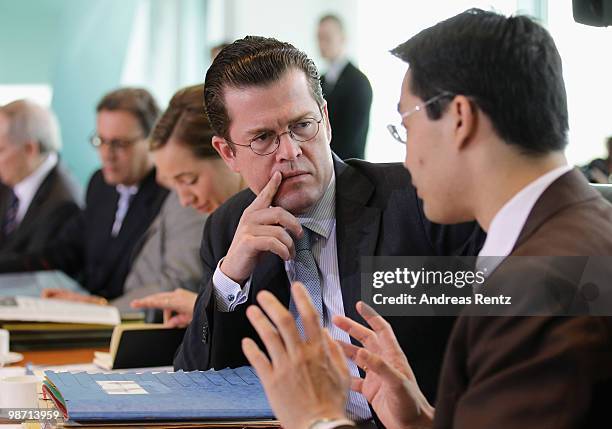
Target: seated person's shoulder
{"x": 386, "y": 178}
{"x": 232, "y": 208}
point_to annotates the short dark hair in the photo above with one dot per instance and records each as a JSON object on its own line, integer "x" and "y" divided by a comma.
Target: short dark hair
{"x": 185, "y": 120}
{"x": 138, "y": 101}
{"x": 334, "y": 18}
{"x": 253, "y": 61}
{"x": 508, "y": 66}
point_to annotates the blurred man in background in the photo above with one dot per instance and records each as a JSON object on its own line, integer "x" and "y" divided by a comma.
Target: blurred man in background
{"x": 37, "y": 195}
{"x": 122, "y": 200}
{"x": 347, "y": 91}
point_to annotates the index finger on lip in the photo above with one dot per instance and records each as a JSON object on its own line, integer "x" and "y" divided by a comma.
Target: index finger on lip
{"x": 266, "y": 195}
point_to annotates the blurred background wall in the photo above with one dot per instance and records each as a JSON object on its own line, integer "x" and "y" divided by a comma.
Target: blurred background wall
{"x": 68, "y": 53}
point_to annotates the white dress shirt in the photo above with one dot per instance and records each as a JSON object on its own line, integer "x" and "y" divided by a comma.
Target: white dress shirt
{"x": 335, "y": 70}
{"x": 320, "y": 219}
{"x": 509, "y": 221}
{"x": 27, "y": 188}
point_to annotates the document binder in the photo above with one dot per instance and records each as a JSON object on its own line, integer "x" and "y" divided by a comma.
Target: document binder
{"x": 228, "y": 394}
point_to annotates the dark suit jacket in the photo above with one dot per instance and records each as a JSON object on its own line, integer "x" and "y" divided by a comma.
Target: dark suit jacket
{"x": 536, "y": 372}
{"x": 55, "y": 202}
{"x": 86, "y": 248}
{"x": 377, "y": 213}
{"x": 349, "y": 102}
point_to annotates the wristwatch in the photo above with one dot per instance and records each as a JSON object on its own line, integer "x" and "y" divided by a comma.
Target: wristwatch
{"x": 331, "y": 423}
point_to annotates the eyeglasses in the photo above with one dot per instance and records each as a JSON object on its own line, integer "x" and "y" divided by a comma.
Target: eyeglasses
{"x": 398, "y": 131}
{"x": 97, "y": 141}
{"x": 267, "y": 142}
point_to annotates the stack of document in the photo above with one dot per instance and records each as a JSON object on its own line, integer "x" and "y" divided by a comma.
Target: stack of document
{"x": 233, "y": 396}
{"x": 36, "y": 322}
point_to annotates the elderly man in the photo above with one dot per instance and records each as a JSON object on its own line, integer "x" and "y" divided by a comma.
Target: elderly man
{"x": 122, "y": 200}
{"x": 307, "y": 215}
{"x": 37, "y": 195}
{"x": 485, "y": 106}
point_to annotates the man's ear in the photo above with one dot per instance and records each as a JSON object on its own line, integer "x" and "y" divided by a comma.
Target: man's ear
{"x": 31, "y": 148}
{"x": 227, "y": 152}
{"x": 465, "y": 120}
{"x": 328, "y": 129}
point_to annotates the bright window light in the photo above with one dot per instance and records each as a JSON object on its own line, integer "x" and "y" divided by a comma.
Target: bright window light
{"x": 39, "y": 93}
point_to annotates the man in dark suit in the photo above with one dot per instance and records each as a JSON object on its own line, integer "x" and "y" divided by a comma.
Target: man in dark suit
{"x": 487, "y": 144}
{"x": 37, "y": 195}
{"x": 347, "y": 91}
{"x": 122, "y": 200}
{"x": 278, "y": 139}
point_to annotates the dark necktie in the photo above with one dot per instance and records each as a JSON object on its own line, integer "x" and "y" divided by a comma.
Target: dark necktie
{"x": 9, "y": 223}
{"x": 307, "y": 271}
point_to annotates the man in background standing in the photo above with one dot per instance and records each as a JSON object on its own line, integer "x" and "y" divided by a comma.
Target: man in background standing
{"x": 347, "y": 91}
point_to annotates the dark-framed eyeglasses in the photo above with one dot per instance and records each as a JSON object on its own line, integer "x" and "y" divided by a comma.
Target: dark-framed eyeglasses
{"x": 398, "y": 131}
{"x": 122, "y": 143}
{"x": 268, "y": 142}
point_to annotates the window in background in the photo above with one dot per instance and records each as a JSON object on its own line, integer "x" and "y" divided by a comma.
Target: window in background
{"x": 384, "y": 25}
{"x": 40, "y": 93}
{"x": 587, "y": 62}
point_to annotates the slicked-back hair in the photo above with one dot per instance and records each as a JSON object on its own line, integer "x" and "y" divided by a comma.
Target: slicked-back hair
{"x": 185, "y": 120}
{"x": 508, "y": 66}
{"x": 137, "y": 101}
{"x": 29, "y": 121}
{"x": 248, "y": 62}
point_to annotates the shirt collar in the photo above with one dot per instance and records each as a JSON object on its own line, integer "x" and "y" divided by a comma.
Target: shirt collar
{"x": 321, "y": 217}
{"x": 27, "y": 188}
{"x": 129, "y": 190}
{"x": 509, "y": 221}
{"x": 335, "y": 70}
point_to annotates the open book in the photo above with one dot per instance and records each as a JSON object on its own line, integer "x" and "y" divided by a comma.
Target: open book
{"x": 30, "y": 309}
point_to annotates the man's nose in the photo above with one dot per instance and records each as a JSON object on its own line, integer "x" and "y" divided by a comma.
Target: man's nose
{"x": 288, "y": 148}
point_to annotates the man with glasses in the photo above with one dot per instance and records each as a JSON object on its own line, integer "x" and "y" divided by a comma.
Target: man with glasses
{"x": 122, "y": 200}
{"x": 307, "y": 216}
{"x": 485, "y": 121}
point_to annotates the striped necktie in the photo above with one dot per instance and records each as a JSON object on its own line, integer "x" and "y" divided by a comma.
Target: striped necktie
{"x": 9, "y": 223}
{"x": 307, "y": 271}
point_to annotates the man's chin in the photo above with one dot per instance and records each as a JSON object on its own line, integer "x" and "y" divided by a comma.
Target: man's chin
{"x": 110, "y": 178}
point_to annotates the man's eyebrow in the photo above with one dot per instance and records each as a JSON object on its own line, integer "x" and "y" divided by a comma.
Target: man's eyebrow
{"x": 260, "y": 130}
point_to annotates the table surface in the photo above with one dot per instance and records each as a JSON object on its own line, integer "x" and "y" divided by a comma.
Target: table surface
{"x": 59, "y": 357}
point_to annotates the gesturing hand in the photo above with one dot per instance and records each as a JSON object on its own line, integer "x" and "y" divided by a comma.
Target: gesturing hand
{"x": 389, "y": 384}
{"x": 305, "y": 380}
{"x": 179, "y": 301}
{"x": 261, "y": 229}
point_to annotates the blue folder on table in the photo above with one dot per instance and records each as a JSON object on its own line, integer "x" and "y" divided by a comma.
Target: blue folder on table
{"x": 228, "y": 394}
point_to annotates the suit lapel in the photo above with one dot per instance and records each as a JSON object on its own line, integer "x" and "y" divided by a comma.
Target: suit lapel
{"x": 42, "y": 194}
{"x": 357, "y": 230}
{"x": 571, "y": 188}
{"x": 270, "y": 274}
{"x": 139, "y": 213}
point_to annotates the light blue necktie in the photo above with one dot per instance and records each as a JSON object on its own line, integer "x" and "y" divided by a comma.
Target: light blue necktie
{"x": 125, "y": 196}
{"x": 307, "y": 271}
